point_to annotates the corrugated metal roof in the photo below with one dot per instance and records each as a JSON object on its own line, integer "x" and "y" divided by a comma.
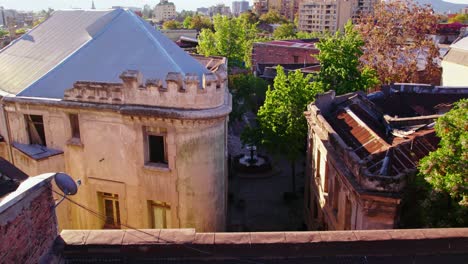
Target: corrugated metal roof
{"x": 78, "y": 45}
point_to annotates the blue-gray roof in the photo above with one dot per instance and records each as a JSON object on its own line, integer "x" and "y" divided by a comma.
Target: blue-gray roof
{"x": 79, "y": 45}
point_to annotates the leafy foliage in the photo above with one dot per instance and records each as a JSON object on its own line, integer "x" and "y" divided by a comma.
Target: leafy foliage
{"x": 232, "y": 38}
{"x": 285, "y": 31}
{"x": 396, "y": 39}
{"x": 272, "y": 17}
{"x": 197, "y": 22}
{"x": 461, "y": 18}
{"x": 438, "y": 195}
{"x": 281, "y": 118}
{"x": 340, "y": 66}
{"x": 248, "y": 92}
{"x": 172, "y": 24}
{"x": 3, "y": 32}
{"x": 446, "y": 169}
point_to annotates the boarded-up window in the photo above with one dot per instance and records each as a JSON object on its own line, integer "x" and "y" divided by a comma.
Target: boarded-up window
{"x": 75, "y": 126}
{"x": 35, "y": 126}
{"x": 160, "y": 214}
{"x": 156, "y": 149}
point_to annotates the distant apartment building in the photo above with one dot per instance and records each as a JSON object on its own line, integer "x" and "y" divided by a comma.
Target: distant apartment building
{"x": 203, "y": 11}
{"x": 464, "y": 10}
{"x": 363, "y": 7}
{"x": 164, "y": 10}
{"x": 142, "y": 124}
{"x": 361, "y": 149}
{"x": 260, "y": 7}
{"x": 325, "y": 15}
{"x": 219, "y": 9}
{"x": 455, "y": 64}
{"x": 13, "y": 18}
{"x": 239, "y": 7}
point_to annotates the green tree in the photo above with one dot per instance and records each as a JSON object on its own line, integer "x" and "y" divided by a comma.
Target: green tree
{"x": 199, "y": 22}
{"x": 250, "y": 16}
{"x": 284, "y": 31}
{"x": 281, "y": 121}
{"x": 172, "y": 24}
{"x": 187, "y": 22}
{"x": 461, "y": 18}
{"x": 248, "y": 92}
{"x": 446, "y": 169}
{"x": 232, "y": 38}
{"x": 438, "y": 195}
{"x": 340, "y": 66}
{"x": 3, "y": 33}
{"x": 272, "y": 17}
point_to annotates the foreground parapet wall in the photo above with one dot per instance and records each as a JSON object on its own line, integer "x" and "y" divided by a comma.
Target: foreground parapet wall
{"x": 187, "y": 246}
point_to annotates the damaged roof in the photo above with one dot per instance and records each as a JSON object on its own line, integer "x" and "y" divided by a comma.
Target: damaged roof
{"x": 391, "y": 132}
{"x": 88, "y": 45}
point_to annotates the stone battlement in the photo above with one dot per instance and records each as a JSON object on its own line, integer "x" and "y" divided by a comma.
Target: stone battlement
{"x": 176, "y": 91}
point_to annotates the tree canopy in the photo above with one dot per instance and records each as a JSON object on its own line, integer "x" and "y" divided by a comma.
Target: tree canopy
{"x": 282, "y": 127}
{"x": 272, "y": 17}
{"x": 172, "y": 24}
{"x": 340, "y": 68}
{"x": 397, "y": 44}
{"x": 248, "y": 92}
{"x": 460, "y": 18}
{"x": 198, "y": 22}
{"x": 232, "y": 38}
{"x": 446, "y": 169}
{"x": 284, "y": 31}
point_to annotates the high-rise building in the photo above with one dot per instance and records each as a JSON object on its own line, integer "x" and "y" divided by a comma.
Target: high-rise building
{"x": 325, "y": 15}
{"x": 239, "y": 7}
{"x": 165, "y": 10}
{"x": 260, "y": 7}
{"x": 220, "y": 9}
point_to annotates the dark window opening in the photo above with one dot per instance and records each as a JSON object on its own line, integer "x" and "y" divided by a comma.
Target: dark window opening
{"x": 35, "y": 126}
{"x": 156, "y": 148}
{"x": 75, "y": 126}
{"x": 296, "y": 59}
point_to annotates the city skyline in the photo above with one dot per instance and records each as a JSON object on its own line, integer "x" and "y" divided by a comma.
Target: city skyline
{"x": 28, "y": 5}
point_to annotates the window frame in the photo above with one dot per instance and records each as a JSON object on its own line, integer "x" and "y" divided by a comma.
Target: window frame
{"x": 29, "y": 121}
{"x": 166, "y": 209}
{"x": 158, "y": 132}
{"x": 116, "y": 217}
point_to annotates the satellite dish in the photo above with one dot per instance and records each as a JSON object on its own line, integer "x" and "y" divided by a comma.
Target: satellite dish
{"x": 66, "y": 183}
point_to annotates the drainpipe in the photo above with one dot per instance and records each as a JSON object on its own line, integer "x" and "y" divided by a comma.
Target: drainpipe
{"x": 6, "y": 123}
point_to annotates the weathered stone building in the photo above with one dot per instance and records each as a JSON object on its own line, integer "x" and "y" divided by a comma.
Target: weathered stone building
{"x": 361, "y": 149}
{"x": 148, "y": 144}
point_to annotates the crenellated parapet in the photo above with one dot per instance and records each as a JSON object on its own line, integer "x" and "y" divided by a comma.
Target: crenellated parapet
{"x": 180, "y": 91}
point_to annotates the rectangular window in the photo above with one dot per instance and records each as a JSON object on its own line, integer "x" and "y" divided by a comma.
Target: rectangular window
{"x": 35, "y": 127}
{"x": 160, "y": 214}
{"x": 348, "y": 214}
{"x": 156, "y": 148}
{"x": 111, "y": 209}
{"x": 75, "y": 126}
{"x": 318, "y": 163}
{"x": 296, "y": 59}
{"x": 336, "y": 195}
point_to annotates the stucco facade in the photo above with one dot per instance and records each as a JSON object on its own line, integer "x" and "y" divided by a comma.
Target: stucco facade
{"x": 111, "y": 155}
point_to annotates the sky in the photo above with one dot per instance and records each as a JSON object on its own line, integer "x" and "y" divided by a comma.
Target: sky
{"x": 36, "y": 5}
